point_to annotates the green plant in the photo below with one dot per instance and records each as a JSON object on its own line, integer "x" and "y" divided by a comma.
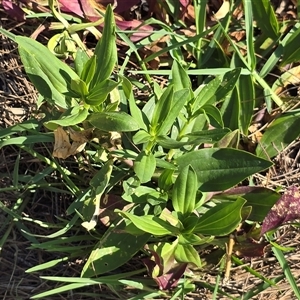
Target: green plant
{"x": 179, "y": 153}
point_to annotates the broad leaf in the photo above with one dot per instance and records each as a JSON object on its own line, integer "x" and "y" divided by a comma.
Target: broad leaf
{"x": 221, "y": 219}
{"x": 180, "y": 79}
{"x": 113, "y": 121}
{"x": 70, "y": 117}
{"x": 50, "y": 76}
{"x": 136, "y": 113}
{"x": 187, "y": 254}
{"x": 144, "y": 166}
{"x": 279, "y": 134}
{"x": 245, "y": 87}
{"x": 150, "y": 224}
{"x": 100, "y": 91}
{"x": 88, "y": 71}
{"x": 260, "y": 199}
{"x": 184, "y": 191}
{"x": 265, "y": 17}
{"x": 180, "y": 98}
{"x": 161, "y": 109}
{"x": 220, "y": 169}
{"x": 113, "y": 250}
{"x": 106, "y": 49}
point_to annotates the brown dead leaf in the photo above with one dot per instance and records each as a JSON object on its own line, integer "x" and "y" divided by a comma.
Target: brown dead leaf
{"x": 292, "y": 76}
{"x": 63, "y": 148}
{"x": 62, "y": 143}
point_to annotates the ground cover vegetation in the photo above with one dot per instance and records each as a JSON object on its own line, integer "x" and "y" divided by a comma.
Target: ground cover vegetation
{"x": 155, "y": 149}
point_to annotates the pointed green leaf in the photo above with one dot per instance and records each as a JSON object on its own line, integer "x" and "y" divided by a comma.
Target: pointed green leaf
{"x": 144, "y": 166}
{"x": 88, "y": 71}
{"x": 113, "y": 250}
{"x": 220, "y": 169}
{"x": 266, "y": 18}
{"x": 141, "y": 137}
{"x": 79, "y": 87}
{"x": 180, "y": 78}
{"x": 100, "y": 91}
{"x": 150, "y": 224}
{"x": 162, "y": 108}
{"x": 134, "y": 109}
{"x": 245, "y": 87}
{"x": 80, "y": 61}
{"x": 187, "y": 254}
{"x": 72, "y": 116}
{"x": 184, "y": 191}
{"x": 284, "y": 130}
{"x": 106, "y": 49}
{"x": 113, "y": 121}
{"x": 50, "y": 76}
{"x": 180, "y": 98}
{"x": 221, "y": 219}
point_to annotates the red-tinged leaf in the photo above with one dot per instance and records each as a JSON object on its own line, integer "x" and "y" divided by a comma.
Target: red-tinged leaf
{"x": 249, "y": 248}
{"x": 13, "y": 10}
{"x": 71, "y": 6}
{"x": 141, "y": 33}
{"x": 286, "y": 209}
{"x": 169, "y": 280}
{"x": 154, "y": 266}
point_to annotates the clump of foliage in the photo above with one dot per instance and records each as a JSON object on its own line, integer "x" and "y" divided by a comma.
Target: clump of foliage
{"x": 162, "y": 165}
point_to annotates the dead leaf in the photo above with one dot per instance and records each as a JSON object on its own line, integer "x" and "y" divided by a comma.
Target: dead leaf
{"x": 63, "y": 148}
{"x": 286, "y": 209}
{"x": 62, "y": 143}
{"x": 223, "y": 11}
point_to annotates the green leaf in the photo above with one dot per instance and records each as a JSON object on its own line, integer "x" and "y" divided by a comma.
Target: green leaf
{"x": 180, "y": 98}
{"x": 141, "y": 137}
{"x": 113, "y": 121}
{"x": 193, "y": 239}
{"x": 187, "y": 254}
{"x": 165, "y": 180}
{"x": 70, "y": 117}
{"x": 162, "y": 108}
{"x": 144, "y": 166}
{"x": 50, "y": 76}
{"x": 208, "y": 136}
{"x": 150, "y": 224}
{"x": 180, "y": 79}
{"x": 251, "y": 58}
{"x": 246, "y": 94}
{"x": 228, "y": 83}
{"x": 230, "y": 110}
{"x": 100, "y": 91}
{"x": 79, "y": 87}
{"x": 214, "y": 113}
{"x": 113, "y": 250}
{"x": 184, "y": 191}
{"x": 284, "y": 130}
{"x": 221, "y": 219}
{"x": 207, "y": 94}
{"x": 80, "y": 61}
{"x": 88, "y": 71}
{"x": 106, "y": 49}
{"x": 291, "y": 51}
{"x": 220, "y": 169}
{"x": 136, "y": 113}
{"x": 265, "y": 17}
{"x": 259, "y": 198}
